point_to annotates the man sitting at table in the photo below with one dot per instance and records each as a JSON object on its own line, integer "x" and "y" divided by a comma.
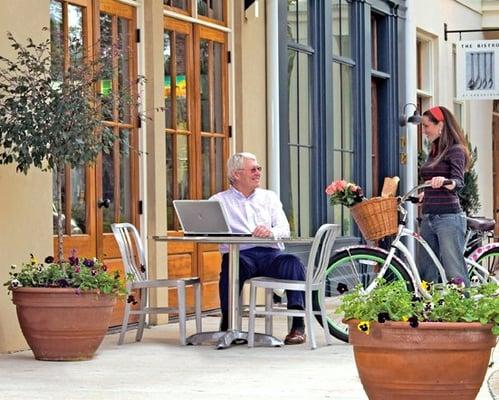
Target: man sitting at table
{"x": 258, "y": 211}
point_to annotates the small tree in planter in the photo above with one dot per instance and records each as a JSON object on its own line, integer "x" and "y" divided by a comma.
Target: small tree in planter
{"x": 51, "y": 117}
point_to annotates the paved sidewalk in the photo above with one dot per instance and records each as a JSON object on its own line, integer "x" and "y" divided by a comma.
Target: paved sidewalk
{"x": 159, "y": 368}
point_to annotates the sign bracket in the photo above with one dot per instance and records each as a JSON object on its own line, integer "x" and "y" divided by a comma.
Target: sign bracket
{"x": 447, "y": 31}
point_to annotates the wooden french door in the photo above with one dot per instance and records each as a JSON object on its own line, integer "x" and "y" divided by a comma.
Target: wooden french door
{"x": 195, "y": 66}
{"x": 107, "y": 192}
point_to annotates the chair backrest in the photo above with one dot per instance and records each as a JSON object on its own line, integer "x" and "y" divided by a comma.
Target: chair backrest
{"x": 320, "y": 252}
{"x": 131, "y": 249}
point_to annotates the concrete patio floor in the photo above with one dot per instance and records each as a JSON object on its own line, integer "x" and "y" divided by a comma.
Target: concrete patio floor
{"x": 159, "y": 368}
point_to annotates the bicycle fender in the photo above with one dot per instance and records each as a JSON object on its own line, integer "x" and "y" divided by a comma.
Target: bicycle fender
{"x": 482, "y": 249}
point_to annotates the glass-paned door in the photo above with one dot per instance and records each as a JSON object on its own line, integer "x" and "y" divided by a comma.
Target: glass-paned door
{"x": 70, "y": 24}
{"x": 117, "y": 194}
{"x": 107, "y": 192}
{"x": 178, "y": 84}
{"x": 211, "y": 101}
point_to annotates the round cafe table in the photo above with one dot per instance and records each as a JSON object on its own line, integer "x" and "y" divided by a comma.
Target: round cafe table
{"x": 224, "y": 339}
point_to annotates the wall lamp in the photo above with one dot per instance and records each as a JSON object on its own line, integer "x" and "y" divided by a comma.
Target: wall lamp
{"x": 415, "y": 118}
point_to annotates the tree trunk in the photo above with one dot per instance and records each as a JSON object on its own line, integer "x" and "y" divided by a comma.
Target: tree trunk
{"x": 59, "y": 171}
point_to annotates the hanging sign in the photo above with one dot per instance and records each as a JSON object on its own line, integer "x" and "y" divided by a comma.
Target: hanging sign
{"x": 477, "y": 70}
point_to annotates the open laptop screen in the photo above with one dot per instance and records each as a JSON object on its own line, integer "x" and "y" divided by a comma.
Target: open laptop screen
{"x": 203, "y": 217}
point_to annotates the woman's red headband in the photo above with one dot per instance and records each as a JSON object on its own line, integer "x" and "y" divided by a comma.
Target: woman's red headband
{"x": 437, "y": 113}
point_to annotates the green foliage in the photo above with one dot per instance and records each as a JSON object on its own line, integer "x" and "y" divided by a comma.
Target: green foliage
{"x": 81, "y": 274}
{"x": 449, "y": 303}
{"x": 49, "y": 115}
{"x": 53, "y": 108}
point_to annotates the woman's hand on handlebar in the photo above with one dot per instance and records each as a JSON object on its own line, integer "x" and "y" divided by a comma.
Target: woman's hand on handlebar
{"x": 439, "y": 181}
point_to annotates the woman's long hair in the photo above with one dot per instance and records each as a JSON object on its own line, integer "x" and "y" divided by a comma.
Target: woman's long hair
{"x": 451, "y": 134}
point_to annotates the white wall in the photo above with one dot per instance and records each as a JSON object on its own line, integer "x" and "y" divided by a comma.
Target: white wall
{"x": 430, "y": 16}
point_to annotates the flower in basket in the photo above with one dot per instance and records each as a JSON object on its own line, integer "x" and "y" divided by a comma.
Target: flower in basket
{"x": 82, "y": 274}
{"x": 345, "y": 193}
{"x": 451, "y": 302}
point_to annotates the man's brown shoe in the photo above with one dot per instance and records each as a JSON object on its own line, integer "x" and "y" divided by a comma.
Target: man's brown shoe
{"x": 295, "y": 336}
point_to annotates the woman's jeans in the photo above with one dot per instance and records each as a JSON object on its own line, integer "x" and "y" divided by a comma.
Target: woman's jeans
{"x": 445, "y": 234}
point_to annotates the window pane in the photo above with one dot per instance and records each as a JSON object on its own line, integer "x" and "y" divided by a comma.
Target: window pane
{"x": 75, "y": 34}
{"x": 124, "y": 69}
{"x": 125, "y": 177}
{"x": 219, "y": 164}
{"x": 56, "y": 40}
{"x": 182, "y": 166}
{"x": 204, "y": 85}
{"x": 54, "y": 203}
{"x": 176, "y": 3}
{"x": 300, "y": 142}
{"x": 218, "y": 88}
{"x": 181, "y": 82}
{"x": 342, "y": 162}
{"x": 169, "y": 182}
{"x": 78, "y": 205}
{"x": 341, "y": 28}
{"x": 205, "y": 170}
{"x": 167, "y": 54}
{"x": 108, "y": 182}
{"x": 298, "y": 16}
{"x": 211, "y": 8}
{"x": 106, "y": 45}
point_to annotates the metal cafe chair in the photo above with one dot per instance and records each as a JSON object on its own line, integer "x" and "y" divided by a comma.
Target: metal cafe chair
{"x": 315, "y": 280}
{"x": 132, "y": 253}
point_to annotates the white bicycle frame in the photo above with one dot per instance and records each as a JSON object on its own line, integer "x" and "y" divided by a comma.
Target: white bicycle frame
{"x": 411, "y": 269}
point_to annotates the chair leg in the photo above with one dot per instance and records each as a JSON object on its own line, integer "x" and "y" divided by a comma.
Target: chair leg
{"x": 251, "y": 319}
{"x": 309, "y": 313}
{"x": 239, "y": 324}
{"x": 142, "y": 319}
{"x": 197, "y": 288}
{"x": 269, "y": 299}
{"x": 124, "y": 324}
{"x": 181, "y": 310}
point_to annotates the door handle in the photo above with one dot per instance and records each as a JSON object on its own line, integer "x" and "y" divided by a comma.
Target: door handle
{"x": 104, "y": 203}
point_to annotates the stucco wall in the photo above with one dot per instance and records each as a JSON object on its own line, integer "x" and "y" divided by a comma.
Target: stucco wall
{"x": 25, "y": 201}
{"x": 478, "y": 113}
{"x": 253, "y": 137}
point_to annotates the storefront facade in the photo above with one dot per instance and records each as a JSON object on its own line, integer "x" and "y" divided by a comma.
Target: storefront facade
{"x": 313, "y": 88}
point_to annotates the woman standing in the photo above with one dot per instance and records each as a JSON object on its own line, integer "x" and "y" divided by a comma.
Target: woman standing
{"x": 443, "y": 224}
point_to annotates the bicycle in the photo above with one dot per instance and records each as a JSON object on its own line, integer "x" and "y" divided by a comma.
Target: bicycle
{"x": 363, "y": 264}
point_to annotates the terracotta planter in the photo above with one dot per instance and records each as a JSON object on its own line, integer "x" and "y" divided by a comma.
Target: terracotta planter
{"x": 436, "y": 360}
{"x": 60, "y": 324}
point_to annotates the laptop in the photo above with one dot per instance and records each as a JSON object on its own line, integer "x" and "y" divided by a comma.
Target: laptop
{"x": 203, "y": 218}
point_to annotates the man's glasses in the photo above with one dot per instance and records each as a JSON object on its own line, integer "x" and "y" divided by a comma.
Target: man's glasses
{"x": 252, "y": 170}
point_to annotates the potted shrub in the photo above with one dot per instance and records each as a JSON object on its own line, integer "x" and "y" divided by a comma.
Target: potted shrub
{"x": 51, "y": 117}
{"x": 407, "y": 347}
{"x": 64, "y": 307}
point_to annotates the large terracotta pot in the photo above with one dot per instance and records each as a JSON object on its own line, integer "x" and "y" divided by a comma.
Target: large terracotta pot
{"x": 436, "y": 360}
{"x": 61, "y": 324}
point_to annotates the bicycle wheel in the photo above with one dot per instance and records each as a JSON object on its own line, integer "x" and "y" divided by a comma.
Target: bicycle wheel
{"x": 347, "y": 269}
{"x": 489, "y": 260}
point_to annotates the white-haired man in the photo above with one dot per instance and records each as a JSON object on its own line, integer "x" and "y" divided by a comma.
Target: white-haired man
{"x": 251, "y": 209}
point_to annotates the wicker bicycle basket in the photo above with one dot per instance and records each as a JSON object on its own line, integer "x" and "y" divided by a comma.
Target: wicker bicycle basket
{"x": 376, "y": 217}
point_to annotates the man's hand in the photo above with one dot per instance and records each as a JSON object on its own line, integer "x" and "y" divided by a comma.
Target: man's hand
{"x": 262, "y": 231}
{"x": 438, "y": 181}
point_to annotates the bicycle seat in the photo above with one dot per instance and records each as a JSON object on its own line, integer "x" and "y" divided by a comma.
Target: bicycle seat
{"x": 482, "y": 224}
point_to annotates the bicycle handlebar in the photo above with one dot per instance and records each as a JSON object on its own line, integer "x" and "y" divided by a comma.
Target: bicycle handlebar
{"x": 416, "y": 189}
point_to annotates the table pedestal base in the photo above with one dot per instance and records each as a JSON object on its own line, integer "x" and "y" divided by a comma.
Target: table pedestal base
{"x": 224, "y": 339}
